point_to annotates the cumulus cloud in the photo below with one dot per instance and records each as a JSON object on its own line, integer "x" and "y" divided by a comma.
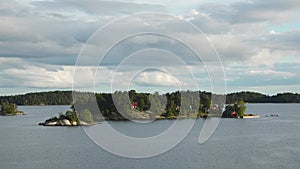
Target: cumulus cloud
{"x": 157, "y": 79}
{"x": 40, "y": 41}
{"x": 241, "y": 34}
{"x": 16, "y": 72}
{"x": 19, "y": 73}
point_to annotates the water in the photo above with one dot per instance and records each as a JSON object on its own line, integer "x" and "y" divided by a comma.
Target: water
{"x": 267, "y": 142}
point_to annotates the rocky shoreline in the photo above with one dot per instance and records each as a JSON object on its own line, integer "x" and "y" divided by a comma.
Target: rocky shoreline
{"x": 19, "y": 113}
{"x": 9, "y": 109}
{"x": 68, "y": 119}
{"x": 64, "y": 123}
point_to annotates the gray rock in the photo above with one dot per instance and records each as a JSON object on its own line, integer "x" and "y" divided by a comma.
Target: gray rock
{"x": 74, "y": 123}
{"x": 51, "y": 123}
{"x": 66, "y": 122}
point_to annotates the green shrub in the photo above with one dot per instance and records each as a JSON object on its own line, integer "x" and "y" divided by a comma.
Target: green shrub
{"x": 86, "y": 116}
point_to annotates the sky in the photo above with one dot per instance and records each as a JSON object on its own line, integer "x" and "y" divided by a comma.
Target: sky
{"x": 42, "y": 44}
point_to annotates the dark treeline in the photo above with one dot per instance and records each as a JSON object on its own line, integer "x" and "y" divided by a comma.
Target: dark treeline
{"x": 65, "y": 98}
{"x": 40, "y": 98}
{"x": 253, "y": 97}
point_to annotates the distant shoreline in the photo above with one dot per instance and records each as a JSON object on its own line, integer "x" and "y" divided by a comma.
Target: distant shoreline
{"x": 71, "y": 104}
{"x": 66, "y": 98}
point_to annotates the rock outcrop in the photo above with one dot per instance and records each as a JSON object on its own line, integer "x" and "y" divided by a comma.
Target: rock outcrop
{"x": 64, "y": 122}
{"x": 68, "y": 119}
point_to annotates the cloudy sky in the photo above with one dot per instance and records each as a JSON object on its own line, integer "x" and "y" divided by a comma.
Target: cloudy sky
{"x": 42, "y": 43}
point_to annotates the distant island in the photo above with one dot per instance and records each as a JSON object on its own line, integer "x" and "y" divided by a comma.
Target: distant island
{"x": 10, "y": 109}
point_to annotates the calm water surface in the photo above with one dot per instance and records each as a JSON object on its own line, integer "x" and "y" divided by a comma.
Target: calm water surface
{"x": 267, "y": 142}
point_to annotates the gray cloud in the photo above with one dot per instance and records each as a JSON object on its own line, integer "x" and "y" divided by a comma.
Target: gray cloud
{"x": 273, "y": 11}
{"x": 54, "y": 31}
{"x": 240, "y": 30}
{"x": 99, "y": 7}
{"x": 287, "y": 41}
{"x": 40, "y": 40}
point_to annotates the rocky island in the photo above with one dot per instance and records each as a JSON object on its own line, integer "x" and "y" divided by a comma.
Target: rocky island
{"x": 70, "y": 118}
{"x": 10, "y": 109}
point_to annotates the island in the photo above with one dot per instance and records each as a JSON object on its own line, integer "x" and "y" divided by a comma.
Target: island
{"x": 71, "y": 118}
{"x": 10, "y": 109}
{"x": 237, "y": 110}
{"x": 122, "y": 106}
{"x": 131, "y": 105}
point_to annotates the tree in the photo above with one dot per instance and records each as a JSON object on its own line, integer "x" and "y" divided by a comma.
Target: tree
{"x": 240, "y": 108}
{"x": 71, "y": 116}
{"x": 205, "y": 103}
{"x": 8, "y": 108}
{"x": 86, "y": 116}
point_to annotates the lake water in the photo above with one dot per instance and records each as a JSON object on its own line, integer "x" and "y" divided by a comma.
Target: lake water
{"x": 267, "y": 142}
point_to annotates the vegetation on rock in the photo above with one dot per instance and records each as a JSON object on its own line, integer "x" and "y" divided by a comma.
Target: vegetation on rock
{"x": 9, "y": 109}
{"x": 70, "y": 118}
{"x": 239, "y": 107}
{"x": 67, "y": 119}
